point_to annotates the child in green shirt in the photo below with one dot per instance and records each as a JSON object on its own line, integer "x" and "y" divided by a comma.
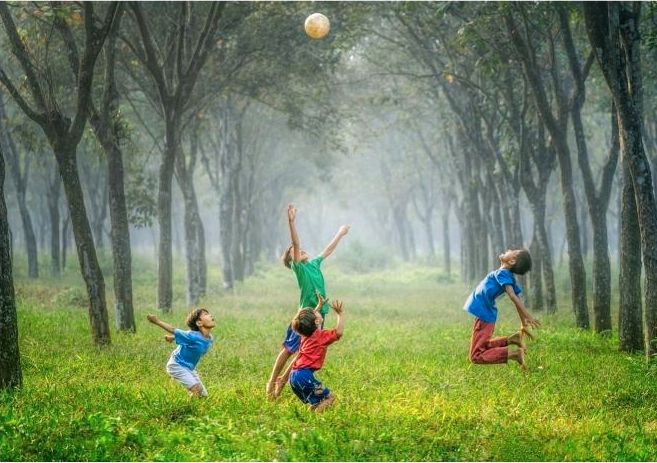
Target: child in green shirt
{"x": 311, "y": 283}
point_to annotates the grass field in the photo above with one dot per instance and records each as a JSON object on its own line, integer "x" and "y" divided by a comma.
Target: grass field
{"x": 405, "y": 388}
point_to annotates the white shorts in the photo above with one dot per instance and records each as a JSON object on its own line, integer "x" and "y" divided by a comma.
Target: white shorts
{"x": 185, "y": 376}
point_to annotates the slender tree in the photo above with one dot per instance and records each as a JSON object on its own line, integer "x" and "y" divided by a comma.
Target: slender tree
{"x": 10, "y": 365}
{"x": 64, "y": 134}
{"x": 613, "y": 29}
{"x": 174, "y": 66}
{"x": 20, "y": 174}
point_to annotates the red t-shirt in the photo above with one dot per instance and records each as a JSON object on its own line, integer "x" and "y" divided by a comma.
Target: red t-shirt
{"x": 313, "y": 349}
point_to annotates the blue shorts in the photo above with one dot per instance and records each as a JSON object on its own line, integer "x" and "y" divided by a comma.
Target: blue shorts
{"x": 292, "y": 339}
{"x": 308, "y": 388}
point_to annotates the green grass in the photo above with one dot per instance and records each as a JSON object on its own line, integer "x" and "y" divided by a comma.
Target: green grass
{"x": 405, "y": 388}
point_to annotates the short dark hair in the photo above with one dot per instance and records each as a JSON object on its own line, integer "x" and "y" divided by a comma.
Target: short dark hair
{"x": 304, "y": 322}
{"x": 193, "y": 317}
{"x": 523, "y": 261}
{"x": 287, "y": 256}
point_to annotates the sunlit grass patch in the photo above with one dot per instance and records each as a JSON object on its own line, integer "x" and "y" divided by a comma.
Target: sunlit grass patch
{"x": 405, "y": 389}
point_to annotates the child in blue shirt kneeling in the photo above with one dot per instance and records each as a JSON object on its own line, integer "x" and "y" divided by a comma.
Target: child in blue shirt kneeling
{"x": 481, "y": 303}
{"x": 192, "y": 345}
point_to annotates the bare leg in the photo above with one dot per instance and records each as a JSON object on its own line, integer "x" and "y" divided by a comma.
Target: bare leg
{"x": 519, "y": 356}
{"x": 517, "y": 339}
{"x": 324, "y": 404}
{"x": 282, "y": 358}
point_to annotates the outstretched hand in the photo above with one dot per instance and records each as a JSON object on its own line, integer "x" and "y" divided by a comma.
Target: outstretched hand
{"x": 344, "y": 229}
{"x": 291, "y": 212}
{"x": 527, "y": 323}
{"x": 337, "y": 307}
{"x": 151, "y": 318}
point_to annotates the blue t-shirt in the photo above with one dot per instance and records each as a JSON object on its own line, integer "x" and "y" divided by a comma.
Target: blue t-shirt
{"x": 481, "y": 302}
{"x": 191, "y": 347}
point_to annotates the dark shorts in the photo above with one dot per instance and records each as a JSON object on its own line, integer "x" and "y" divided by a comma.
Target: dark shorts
{"x": 308, "y": 388}
{"x": 292, "y": 339}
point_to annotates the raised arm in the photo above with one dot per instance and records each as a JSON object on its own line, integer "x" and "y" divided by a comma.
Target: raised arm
{"x": 525, "y": 317}
{"x": 343, "y": 230}
{"x": 339, "y": 310}
{"x": 164, "y": 325}
{"x": 296, "y": 248}
{"x": 320, "y": 301}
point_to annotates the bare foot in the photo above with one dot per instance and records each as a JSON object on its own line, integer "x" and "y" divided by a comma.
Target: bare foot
{"x": 517, "y": 339}
{"x": 324, "y": 404}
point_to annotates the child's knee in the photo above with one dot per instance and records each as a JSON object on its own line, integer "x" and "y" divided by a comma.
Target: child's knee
{"x": 476, "y": 357}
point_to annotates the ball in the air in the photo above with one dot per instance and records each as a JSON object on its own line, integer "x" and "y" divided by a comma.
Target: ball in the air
{"x": 317, "y": 26}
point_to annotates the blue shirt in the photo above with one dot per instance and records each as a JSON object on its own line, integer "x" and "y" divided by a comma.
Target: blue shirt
{"x": 191, "y": 347}
{"x": 481, "y": 302}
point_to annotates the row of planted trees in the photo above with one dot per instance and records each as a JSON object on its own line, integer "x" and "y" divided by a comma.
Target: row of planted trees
{"x": 204, "y": 87}
{"x": 187, "y": 78}
{"x": 514, "y": 90}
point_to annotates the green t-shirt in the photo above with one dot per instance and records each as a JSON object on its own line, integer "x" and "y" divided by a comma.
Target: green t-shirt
{"x": 310, "y": 279}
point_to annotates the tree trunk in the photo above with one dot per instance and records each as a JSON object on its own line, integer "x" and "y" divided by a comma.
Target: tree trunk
{"x": 10, "y": 364}
{"x": 630, "y": 313}
{"x": 226, "y": 232}
{"x": 28, "y": 234}
{"x": 165, "y": 257}
{"x": 53, "y": 208}
{"x": 446, "y": 243}
{"x": 120, "y": 238}
{"x": 557, "y": 129}
{"x": 598, "y": 206}
{"x": 536, "y": 297}
{"x": 194, "y": 232}
{"x": 65, "y": 232}
{"x": 20, "y": 177}
{"x": 84, "y": 243}
{"x": 613, "y": 30}
{"x": 546, "y": 264}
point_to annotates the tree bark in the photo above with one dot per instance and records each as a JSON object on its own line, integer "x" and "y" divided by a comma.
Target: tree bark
{"x": 10, "y": 365}
{"x": 20, "y": 176}
{"x": 557, "y": 130}
{"x": 53, "y": 207}
{"x": 630, "y": 312}
{"x": 91, "y": 272}
{"x": 447, "y": 260}
{"x": 613, "y": 30}
{"x": 194, "y": 232}
{"x": 536, "y": 298}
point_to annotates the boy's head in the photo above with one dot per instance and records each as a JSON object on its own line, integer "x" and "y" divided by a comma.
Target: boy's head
{"x": 288, "y": 255}
{"x": 517, "y": 260}
{"x": 306, "y": 321}
{"x": 199, "y": 318}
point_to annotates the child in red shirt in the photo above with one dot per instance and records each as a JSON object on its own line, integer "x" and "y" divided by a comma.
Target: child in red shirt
{"x": 314, "y": 344}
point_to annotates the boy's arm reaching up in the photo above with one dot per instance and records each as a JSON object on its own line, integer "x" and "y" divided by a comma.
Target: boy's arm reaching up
{"x": 343, "y": 230}
{"x": 296, "y": 248}
{"x": 164, "y": 325}
{"x": 525, "y": 317}
{"x": 339, "y": 310}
